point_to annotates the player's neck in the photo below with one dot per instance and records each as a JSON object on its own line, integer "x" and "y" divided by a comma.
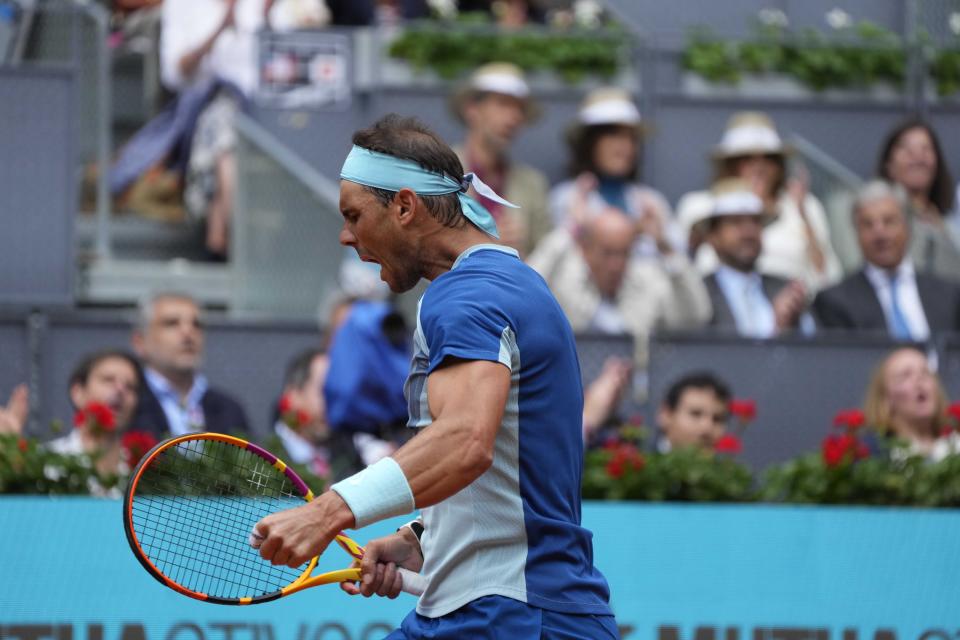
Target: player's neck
{"x": 446, "y": 245}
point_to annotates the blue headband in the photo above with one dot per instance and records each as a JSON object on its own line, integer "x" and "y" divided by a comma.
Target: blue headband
{"x": 383, "y": 171}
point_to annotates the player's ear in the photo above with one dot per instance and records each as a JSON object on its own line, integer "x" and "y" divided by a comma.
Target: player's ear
{"x": 406, "y": 202}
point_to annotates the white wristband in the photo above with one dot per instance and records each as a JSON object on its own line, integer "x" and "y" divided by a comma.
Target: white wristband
{"x": 378, "y": 492}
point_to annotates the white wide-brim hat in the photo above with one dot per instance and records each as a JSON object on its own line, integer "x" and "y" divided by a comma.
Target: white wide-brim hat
{"x": 750, "y": 133}
{"x": 733, "y": 197}
{"x": 496, "y": 77}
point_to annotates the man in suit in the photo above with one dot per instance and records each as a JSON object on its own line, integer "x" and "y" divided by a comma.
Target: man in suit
{"x": 177, "y": 398}
{"x": 744, "y": 300}
{"x": 888, "y": 294}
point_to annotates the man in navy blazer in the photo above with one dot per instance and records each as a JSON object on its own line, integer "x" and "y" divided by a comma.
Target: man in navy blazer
{"x": 888, "y": 295}
{"x": 177, "y": 398}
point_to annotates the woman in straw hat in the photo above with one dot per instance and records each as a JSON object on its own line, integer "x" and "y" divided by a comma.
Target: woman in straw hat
{"x": 605, "y": 144}
{"x": 796, "y": 246}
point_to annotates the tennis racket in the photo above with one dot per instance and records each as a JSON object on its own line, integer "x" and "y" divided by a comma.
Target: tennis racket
{"x": 189, "y": 510}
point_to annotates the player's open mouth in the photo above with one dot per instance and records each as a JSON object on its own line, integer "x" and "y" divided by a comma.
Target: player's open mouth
{"x": 369, "y": 259}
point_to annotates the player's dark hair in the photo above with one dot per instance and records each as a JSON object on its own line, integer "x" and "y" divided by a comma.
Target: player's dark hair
{"x": 696, "y": 380}
{"x": 409, "y": 139}
{"x": 81, "y": 373}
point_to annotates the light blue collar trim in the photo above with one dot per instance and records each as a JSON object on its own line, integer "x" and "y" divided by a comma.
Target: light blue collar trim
{"x": 481, "y": 247}
{"x": 383, "y": 171}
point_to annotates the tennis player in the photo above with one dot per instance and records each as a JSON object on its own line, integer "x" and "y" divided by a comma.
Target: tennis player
{"x": 495, "y": 394}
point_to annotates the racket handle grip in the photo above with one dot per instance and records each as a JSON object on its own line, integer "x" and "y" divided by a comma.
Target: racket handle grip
{"x": 413, "y": 583}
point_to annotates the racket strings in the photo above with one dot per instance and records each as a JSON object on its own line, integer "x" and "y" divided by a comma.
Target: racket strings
{"x": 194, "y": 508}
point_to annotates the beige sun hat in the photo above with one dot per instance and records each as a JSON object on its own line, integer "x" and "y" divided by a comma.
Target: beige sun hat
{"x": 749, "y": 133}
{"x": 733, "y": 197}
{"x": 495, "y": 77}
{"x": 602, "y": 107}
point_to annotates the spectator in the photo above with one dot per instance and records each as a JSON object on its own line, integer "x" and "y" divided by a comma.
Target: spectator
{"x": 363, "y": 391}
{"x": 508, "y": 14}
{"x": 796, "y": 245}
{"x": 358, "y": 13}
{"x": 744, "y": 299}
{"x": 494, "y": 106}
{"x": 603, "y": 396}
{"x": 113, "y": 380}
{"x": 602, "y": 288}
{"x": 889, "y": 294}
{"x": 694, "y": 412}
{"x": 13, "y": 417}
{"x": 177, "y": 398}
{"x": 301, "y": 420}
{"x": 208, "y": 57}
{"x": 605, "y": 145}
{"x": 302, "y": 427}
{"x": 906, "y": 400}
{"x": 911, "y": 157}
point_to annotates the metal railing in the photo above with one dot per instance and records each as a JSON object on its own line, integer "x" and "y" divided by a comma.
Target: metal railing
{"x": 836, "y": 186}
{"x": 74, "y": 33}
{"x": 285, "y": 250}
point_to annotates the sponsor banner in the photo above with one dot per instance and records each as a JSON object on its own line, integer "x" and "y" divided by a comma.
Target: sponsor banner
{"x": 304, "y": 70}
{"x": 676, "y": 572}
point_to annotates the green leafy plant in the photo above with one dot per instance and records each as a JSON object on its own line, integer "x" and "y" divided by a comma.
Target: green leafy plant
{"x": 28, "y": 467}
{"x": 855, "y": 55}
{"x": 855, "y": 466}
{"x": 620, "y": 471}
{"x": 455, "y": 48}
{"x": 945, "y": 71}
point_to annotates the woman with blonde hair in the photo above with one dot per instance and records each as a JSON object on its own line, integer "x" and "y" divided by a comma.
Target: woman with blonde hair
{"x": 906, "y": 400}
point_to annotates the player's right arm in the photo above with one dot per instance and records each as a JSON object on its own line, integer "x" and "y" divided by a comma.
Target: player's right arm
{"x": 467, "y": 400}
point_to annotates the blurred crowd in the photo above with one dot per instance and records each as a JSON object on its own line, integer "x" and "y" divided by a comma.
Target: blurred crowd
{"x": 749, "y": 254}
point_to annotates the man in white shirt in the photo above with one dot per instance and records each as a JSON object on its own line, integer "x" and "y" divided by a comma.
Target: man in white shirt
{"x": 602, "y": 287}
{"x": 888, "y": 295}
{"x": 215, "y": 41}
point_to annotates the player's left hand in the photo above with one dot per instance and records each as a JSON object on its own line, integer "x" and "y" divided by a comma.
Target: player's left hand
{"x": 381, "y": 559}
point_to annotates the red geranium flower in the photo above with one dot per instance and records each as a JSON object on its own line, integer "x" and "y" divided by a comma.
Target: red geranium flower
{"x": 744, "y": 410}
{"x": 22, "y": 445}
{"x": 97, "y": 417}
{"x": 624, "y": 455}
{"x": 135, "y": 445}
{"x": 615, "y": 468}
{"x": 728, "y": 443}
{"x": 296, "y": 419}
{"x": 285, "y": 404}
{"x": 833, "y": 451}
{"x": 954, "y": 411}
{"x": 837, "y": 449}
{"x": 849, "y": 418}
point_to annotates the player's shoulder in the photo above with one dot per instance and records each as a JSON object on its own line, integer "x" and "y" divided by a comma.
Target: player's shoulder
{"x": 482, "y": 276}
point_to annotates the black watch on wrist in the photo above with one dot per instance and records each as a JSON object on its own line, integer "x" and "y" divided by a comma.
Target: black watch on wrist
{"x": 416, "y": 526}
